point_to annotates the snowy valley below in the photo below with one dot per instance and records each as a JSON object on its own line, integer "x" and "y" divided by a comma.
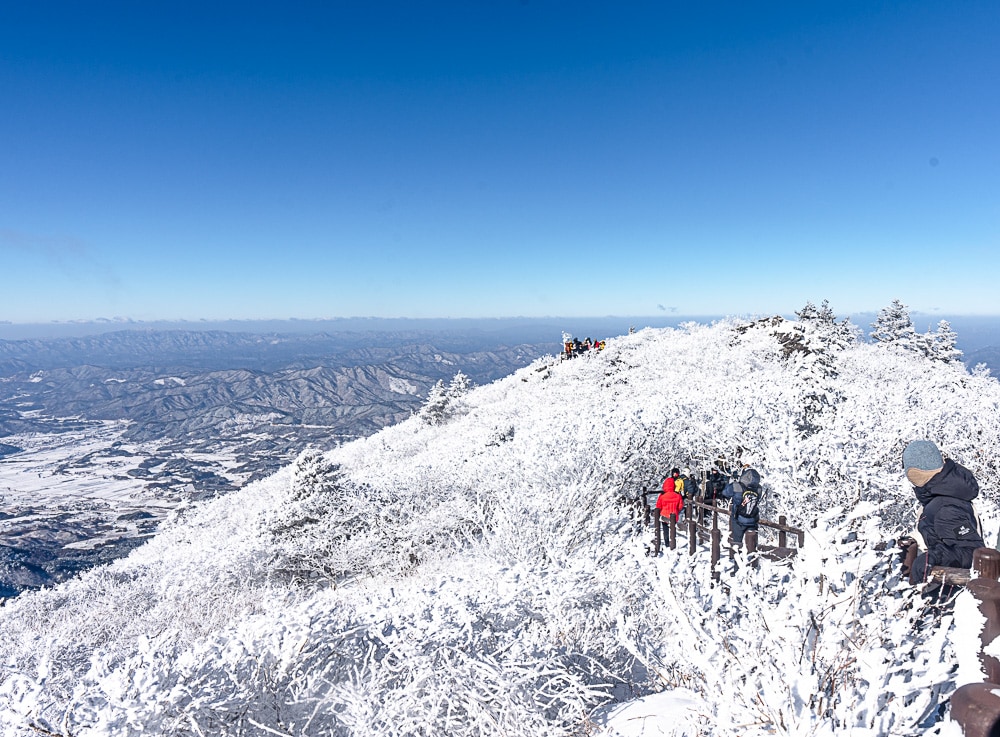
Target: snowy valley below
{"x": 103, "y": 436}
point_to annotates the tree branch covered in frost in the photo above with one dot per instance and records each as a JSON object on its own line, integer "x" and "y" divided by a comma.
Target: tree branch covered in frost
{"x": 827, "y": 644}
{"x": 481, "y": 576}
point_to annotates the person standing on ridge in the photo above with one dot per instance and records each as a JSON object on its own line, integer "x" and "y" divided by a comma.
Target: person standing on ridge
{"x": 947, "y": 522}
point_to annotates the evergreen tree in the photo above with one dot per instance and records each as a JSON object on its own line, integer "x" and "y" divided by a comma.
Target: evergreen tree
{"x": 811, "y": 344}
{"x": 311, "y": 473}
{"x": 943, "y": 343}
{"x": 435, "y": 409}
{"x": 443, "y": 401}
{"x": 459, "y": 386}
{"x": 894, "y": 327}
{"x": 808, "y": 312}
{"x": 824, "y": 322}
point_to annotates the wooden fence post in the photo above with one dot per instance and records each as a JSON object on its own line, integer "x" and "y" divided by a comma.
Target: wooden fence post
{"x": 656, "y": 527}
{"x": 976, "y": 706}
{"x": 911, "y": 555}
{"x": 716, "y": 550}
{"x": 782, "y": 537}
{"x": 987, "y": 593}
{"x": 692, "y": 534}
{"x": 731, "y": 541}
{"x": 986, "y": 563}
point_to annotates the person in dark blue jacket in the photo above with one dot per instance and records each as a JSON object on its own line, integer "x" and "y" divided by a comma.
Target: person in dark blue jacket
{"x": 745, "y": 496}
{"x": 947, "y": 522}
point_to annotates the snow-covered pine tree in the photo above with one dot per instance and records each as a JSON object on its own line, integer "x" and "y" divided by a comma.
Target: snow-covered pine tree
{"x": 443, "y": 401}
{"x": 459, "y": 386}
{"x": 842, "y": 333}
{"x": 943, "y": 343}
{"x": 311, "y": 473}
{"x": 811, "y": 343}
{"x": 808, "y": 312}
{"x": 435, "y": 408}
{"x": 894, "y": 327}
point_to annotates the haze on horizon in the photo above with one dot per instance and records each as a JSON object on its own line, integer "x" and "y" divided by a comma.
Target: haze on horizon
{"x": 446, "y": 160}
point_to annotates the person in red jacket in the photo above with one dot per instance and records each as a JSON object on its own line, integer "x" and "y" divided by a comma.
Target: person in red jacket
{"x": 669, "y": 502}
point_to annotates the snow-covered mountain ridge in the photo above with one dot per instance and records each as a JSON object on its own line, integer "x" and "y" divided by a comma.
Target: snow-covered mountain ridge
{"x": 478, "y": 575}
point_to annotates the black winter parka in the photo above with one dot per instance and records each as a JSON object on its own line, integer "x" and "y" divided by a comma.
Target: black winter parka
{"x": 948, "y": 523}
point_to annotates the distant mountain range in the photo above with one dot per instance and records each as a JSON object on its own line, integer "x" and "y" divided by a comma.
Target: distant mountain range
{"x": 990, "y": 356}
{"x": 186, "y": 415}
{"x": 200, "y": 388}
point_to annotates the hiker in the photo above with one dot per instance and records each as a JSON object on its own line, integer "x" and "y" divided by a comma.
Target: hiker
{"x": 679, "y": 487}
{"x": 715, "y": 482}
{"x": 690, "y": 491}
{"x": 745, "y": 498}
{"x": 947, "y": 522}
{"x": 670, "y": 501}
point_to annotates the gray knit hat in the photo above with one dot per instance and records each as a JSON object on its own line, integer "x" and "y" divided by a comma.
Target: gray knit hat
{"x": 922, "y": 454}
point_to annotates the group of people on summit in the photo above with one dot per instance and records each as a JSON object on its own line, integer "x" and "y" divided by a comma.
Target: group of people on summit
{"x": 574, "y": 346}
{"x": 947, "y": 523}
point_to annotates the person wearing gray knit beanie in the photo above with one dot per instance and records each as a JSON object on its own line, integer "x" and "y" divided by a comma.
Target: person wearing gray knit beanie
{"x": 947, "y": 522}
{"x": 922, "y": 461}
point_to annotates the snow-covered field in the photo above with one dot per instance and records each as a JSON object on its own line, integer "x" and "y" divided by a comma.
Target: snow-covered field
{"x": 473, "y": 570}
{"x": 86, "y": 489}
{"x": 88, "y": 465}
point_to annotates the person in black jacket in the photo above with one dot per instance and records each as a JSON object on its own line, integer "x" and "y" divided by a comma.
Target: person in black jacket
{"x": 714, "y": 484}
{"x": 947, "y": 522}
{"x": 745, "y": 497}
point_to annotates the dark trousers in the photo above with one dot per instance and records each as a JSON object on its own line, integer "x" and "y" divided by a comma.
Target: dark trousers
{"x": 739, "y": 530}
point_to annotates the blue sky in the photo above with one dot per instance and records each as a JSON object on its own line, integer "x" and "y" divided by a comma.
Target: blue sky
{"x": 468, "y": 159}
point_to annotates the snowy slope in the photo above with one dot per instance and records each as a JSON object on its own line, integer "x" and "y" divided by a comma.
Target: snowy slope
{"x": 479, "y": 576}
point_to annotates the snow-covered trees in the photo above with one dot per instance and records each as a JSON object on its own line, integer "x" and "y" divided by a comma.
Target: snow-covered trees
{"x": 435, "y": 408}
{"x": 462, "y": 578}
{"x": 832, "y": 332}
{"x": 811, "y": 345}
{"x": 894, "y": 327}
{"x": 442, "y": 402}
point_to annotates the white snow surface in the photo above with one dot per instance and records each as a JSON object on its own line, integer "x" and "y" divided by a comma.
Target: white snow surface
{"x": 479, "y": 575}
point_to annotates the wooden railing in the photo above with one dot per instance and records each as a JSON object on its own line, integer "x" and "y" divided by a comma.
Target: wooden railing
{"x": 702, "y": 525}
{"x": 976, "y": 706}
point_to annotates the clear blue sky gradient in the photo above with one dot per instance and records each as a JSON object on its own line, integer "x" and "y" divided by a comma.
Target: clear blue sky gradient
{"x": 467, "y": 159}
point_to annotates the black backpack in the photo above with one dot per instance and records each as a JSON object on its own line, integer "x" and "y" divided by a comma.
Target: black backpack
{"x": 748, "y": 501}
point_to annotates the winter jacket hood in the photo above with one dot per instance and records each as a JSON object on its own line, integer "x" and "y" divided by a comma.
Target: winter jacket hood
{"x": 670, "y": 502}
{"x": 953, "y": 480}
{"x": 750, "y": 478}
